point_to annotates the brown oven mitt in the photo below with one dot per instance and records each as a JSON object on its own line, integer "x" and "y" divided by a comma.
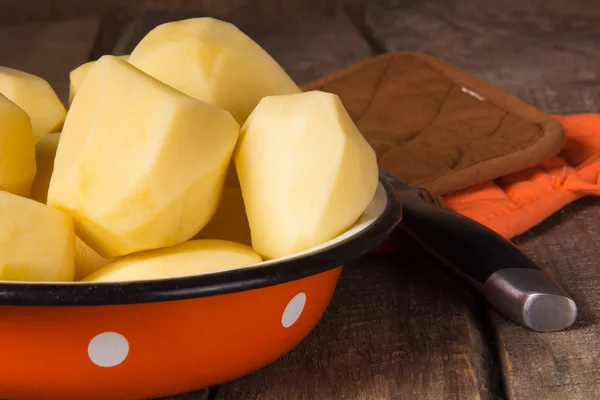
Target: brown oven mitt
{"x": 438, "y": 127}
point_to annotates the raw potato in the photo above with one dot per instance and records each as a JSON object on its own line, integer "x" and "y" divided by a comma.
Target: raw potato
{"x": 37, "y": 243}
{"x": 231, "y": 179}
{"x": 36, "y": 97}
{"x": 76, "y": 76}
{"x": 213, "y": 61}
{"x": 305, "y": 170}
{"x": 86, "y": 259}
{"x": 45, "y": 151}
{"x": 17, "y": 151}
{"x": 139, "y": 165}
{"x": 230, "y": 221}
{"x": 190, "y": 258}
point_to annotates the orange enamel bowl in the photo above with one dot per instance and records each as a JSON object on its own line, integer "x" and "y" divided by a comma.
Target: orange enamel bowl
{"x": 147, "y": 339}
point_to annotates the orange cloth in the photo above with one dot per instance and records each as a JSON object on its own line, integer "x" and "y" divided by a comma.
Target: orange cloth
{"x": 515, "y": 203}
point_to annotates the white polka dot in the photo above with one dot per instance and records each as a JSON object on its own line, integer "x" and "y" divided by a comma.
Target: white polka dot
{"x": 293, "y": 310}
{"x": 108, "y": 349}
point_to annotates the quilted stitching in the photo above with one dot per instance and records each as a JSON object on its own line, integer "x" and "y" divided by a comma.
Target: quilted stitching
{"x": 426, "y": 125}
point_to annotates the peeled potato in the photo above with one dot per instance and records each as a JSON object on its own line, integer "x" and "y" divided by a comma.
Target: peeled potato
{"x": 36, "y": 97}
{"x": 190, "y": 258}
{"x": 213, "y": 61}
{"x": 45, "y": 151}
{"x": 17, "y": 151}
{"x": 139, "y": 165}
{"x": 37, "y": 243}
{"x": 231, "y": 179}
{"x": 86, "y": 259}
{"x": 305, "y": 171}
{"x": 230, "y": 221}
{"x": 76, "y": 76}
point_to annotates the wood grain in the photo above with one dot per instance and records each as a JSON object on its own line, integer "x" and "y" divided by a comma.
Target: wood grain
{"x": 395, "y": 329}
{"x": 22, "y": 11}
{"x": 333, "y": 41}
{"x": 563, "y": 365}
{"x": 49, "y": 50}
{"x": 309, "y": 45}
{"x": 197, "y": 395}
{"x": 545, "y": 52}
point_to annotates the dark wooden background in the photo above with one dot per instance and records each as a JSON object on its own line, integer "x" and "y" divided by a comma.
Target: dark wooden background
{"x": 396, "y": 328}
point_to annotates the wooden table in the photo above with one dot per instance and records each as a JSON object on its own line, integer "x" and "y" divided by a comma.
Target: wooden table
{"x": 400, "y": 329}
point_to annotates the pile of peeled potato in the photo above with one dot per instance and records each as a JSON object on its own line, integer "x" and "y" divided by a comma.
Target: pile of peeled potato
{"x": 194, "y": 154}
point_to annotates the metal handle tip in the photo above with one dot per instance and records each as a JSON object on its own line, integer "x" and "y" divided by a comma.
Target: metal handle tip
{"x": 530, "y": 298}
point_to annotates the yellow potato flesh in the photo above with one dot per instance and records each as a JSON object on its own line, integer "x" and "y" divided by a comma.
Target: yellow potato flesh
{"x": 190, "y": 258}
{"x": 76, "y": 76}
{"x": 36, "y": 97}
{"x": 230, "y": 221}
{"x": 305, "y": 171}
{"x": 139, "y": 165}
{"x": 86, "y": 259}
{"x": 37, "y": 243}
{"x": 45, "y": 151}
{"x": 213, "y": 61}
{"x": 231, "y": 179}
{"x": 17, "y": 149}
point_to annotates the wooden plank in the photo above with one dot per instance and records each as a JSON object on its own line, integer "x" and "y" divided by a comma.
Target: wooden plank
{"x": 563, "y": 365}
{"x": 308, "y": 46}
{"x": 333, "y": 41}
{"x": 563, "y": 98}
{"x": 22, "y": 11}
{"x": 547, "y": 53}
{"x": 395, "y": 329}
{"x": 49, "y": 50}
{"x": 531, "y": 48}
{"x": 198, "y": 395}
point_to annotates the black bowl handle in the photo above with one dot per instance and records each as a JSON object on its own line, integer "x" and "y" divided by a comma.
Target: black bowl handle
{"x": 509, "y": 279}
